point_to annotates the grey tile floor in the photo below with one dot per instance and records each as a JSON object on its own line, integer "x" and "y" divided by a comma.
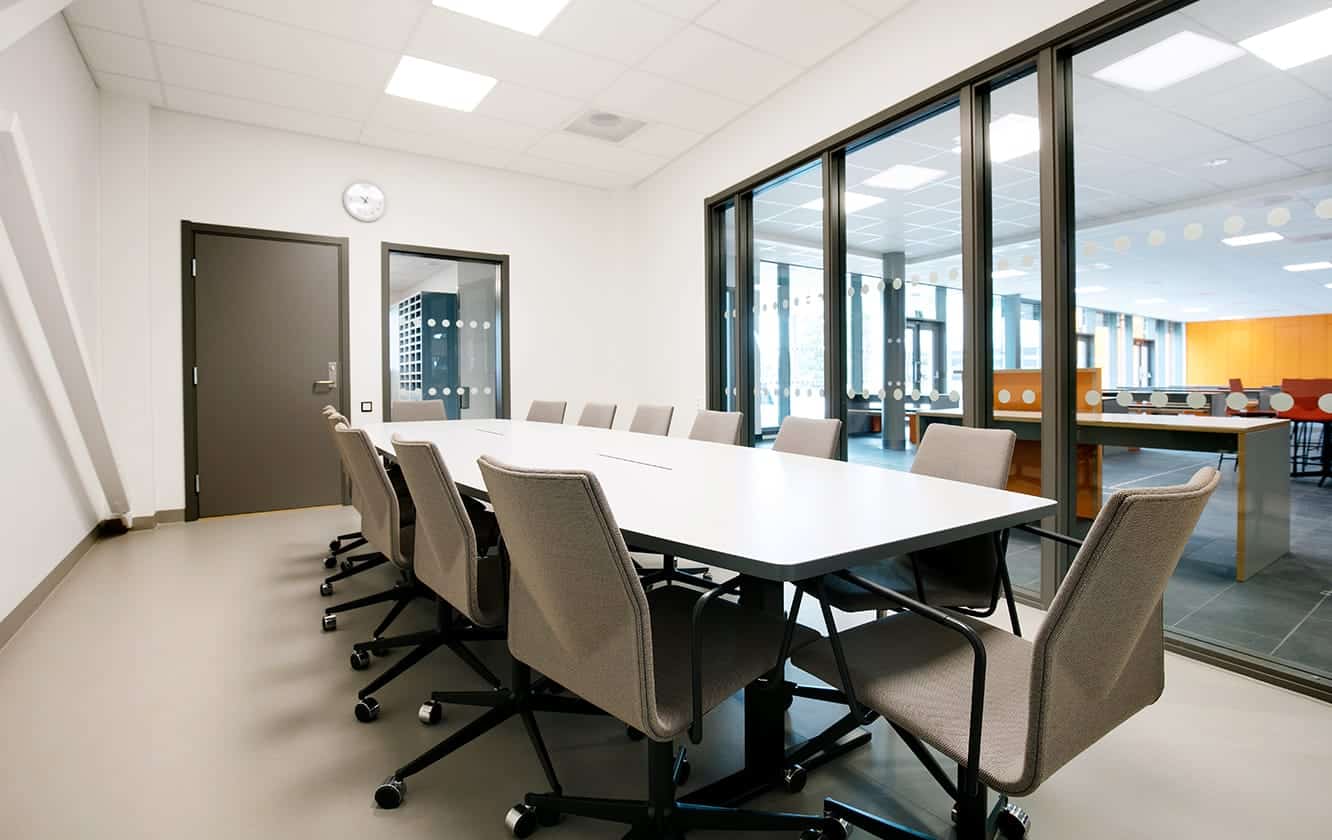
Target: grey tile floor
{"x": 176, "y": 685}
{"x": 1283, "y": 613}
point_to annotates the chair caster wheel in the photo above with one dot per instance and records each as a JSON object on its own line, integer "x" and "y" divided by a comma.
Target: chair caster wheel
{"x": 706, "y": 576}
{"x": 430, "y": 713}
{"x": 794, "y": 778}
{"x": 835, "y": 830}
{"x": 1012, "y": 822}
{"x": 347, "y": 564}
{"x": 326, "y": 589}
{"x": 367, "y": 710}
{"x": 682, "y": 772}
{"x": 330, "y": 561}
{"x": 522, "y": 821}
{"x": 360, "y": 660}
{"x": 633, "y": 734}
{"x": 330, "y": 623}
{"x": 390, "y": 793}
{"x": 333, "y": 544}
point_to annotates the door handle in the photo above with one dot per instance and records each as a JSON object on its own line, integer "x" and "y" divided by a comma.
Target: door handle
{"x": 332, "y": 382}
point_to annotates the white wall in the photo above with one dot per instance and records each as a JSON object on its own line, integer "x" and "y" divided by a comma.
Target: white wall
{"x": 920, "y": 46}
{"x": 563, "y": 242}
{"x": 46, "y": 506}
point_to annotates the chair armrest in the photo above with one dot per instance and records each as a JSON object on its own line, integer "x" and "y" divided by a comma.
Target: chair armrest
{"x": 696, "y": 652}
{"x": 978, "y": 662}
{"x": 1051, "y": 535}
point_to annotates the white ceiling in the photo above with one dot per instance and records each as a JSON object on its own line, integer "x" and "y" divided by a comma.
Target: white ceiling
{"x": 1140, "y": 167}
{"x": 685, "y": 67}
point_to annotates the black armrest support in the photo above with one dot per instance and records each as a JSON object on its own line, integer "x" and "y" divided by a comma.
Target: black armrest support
{"x": 696, "y": 652}
{"x": 1051, "y": 535}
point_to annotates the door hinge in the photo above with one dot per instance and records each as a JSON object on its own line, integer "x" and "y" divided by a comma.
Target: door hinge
{"x": 196, "y": 483}
{"x": 194, "y": 267}
{"x": 196, "y": 375}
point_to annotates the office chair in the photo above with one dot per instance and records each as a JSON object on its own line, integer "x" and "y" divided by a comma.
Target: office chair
{"x": 816, "y": 437}
{"x": 717, "y": 426}
{"x": 413, "y": 410}
{"x": 579, "y": 614}
{"x": 354, "y": 540}
{"x": 944, "y": 680}
{"x": 546, "y": 411}
{"x": 597, "y": 415}
{"x": 652, "y": 419}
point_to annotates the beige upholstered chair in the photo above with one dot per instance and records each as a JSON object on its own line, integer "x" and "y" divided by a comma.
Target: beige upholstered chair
{"x": 816, "y": 437}
{"x": 1013, "y": 717}
{"x": 597, "y": 415}
{"x": 652, "y": 419}
{"x": 579, "y": 615}
{"x": 717, "y": 426}
{"x": 546, "y": 411}
{"x": 342, "y": 543}
{"x": 409, "y": 410}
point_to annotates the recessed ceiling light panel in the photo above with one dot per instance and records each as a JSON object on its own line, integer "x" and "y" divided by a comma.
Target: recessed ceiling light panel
{"x": 1298, "y": 42}
{"x": 854, "y": 202}
{"x": 1013, "y": 136}
{"x": 438, "y": 84}
{"x": 1321, "y": 265}
{"x": 1181, "y": 56}
{"x": 530, "y": 17}
{"x": 904, "y": 176}
{"x": 1253, "y": 239}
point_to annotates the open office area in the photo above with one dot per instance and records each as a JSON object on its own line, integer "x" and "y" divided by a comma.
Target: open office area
{"x": 665, "y": 418}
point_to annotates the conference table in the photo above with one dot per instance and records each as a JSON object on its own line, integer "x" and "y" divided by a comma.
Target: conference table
{"x": 771, "y": 517}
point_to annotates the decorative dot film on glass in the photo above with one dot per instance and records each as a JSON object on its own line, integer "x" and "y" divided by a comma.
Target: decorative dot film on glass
{"x": 430, "y": 322}
{"x": 897, "y": 395}
{"x": 1196, "y": 400}
{"x": 954, "y": 396}
{"x": 1156, "y": 238}
{"x": 1193, "y": 231}
{"x": 1005, "y": 396}
{"x": 1124, "y": 398}
{"x": 1278, "y": 216}
{"x": 472, "y": 324}
{"x": 1123, "y": 243}
{"x": 1233, "y": 225}
{"x": 1093, "y": 398}
{"x": 431, "y": 391}
{"x": 1282, "y": 402}
{"x": 915, "y": 393}
{"x": 934, "y": 395}
{"x": 1159, "y": 399}
{"x": 1325, "y": 403}
{"x": 1324, "y": 209}
{"x": 448, "y": 392}
{"x": 485, "y": 325}
{"x": 1029, "y": 396}
{"x": 1237, "y": 401}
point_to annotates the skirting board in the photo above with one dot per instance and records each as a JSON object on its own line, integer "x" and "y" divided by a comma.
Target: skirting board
{"x": 162, "y": 517}
{"x": 10, "y": 624}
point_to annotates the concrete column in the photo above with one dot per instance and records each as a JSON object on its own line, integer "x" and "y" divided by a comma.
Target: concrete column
{"x": 894, "y": 351}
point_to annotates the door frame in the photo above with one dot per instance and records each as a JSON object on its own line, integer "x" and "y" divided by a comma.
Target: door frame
{"x": 189, "y": 354}
{"x": 502, "y": 325}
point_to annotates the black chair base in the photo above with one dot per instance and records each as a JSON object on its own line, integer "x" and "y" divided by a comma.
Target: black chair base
{"x": 1004, "y": 820}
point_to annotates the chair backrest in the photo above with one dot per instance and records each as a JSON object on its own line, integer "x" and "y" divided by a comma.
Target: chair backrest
{"x": 597, "y": 415}
{"x": 408, "y": 410}
{"x": 1099, "y": 656}
{"x": 546, "y": 411}
{"x": 577, "y": 611}
{"x": 717, "y": 426}
{"x": 1236, "y": 385}
{"x": 960, "y": 453}
{"x": 446, "y": 556}
{"x": 816, "y": 437}
{"x": 378, "y": 503}
{"x": 652, "y": 419}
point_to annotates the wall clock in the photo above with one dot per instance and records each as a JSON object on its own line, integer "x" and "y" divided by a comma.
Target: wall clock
{"x": 363, "y": 201}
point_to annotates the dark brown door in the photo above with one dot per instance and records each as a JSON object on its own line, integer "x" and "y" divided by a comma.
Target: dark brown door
{"x": 267, "y": 322}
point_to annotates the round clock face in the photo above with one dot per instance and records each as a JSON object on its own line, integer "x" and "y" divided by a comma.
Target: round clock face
{"x": 364, "y": 202}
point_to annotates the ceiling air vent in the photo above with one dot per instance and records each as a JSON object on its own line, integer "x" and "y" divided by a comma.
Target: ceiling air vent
{"x": 604, "y": 125}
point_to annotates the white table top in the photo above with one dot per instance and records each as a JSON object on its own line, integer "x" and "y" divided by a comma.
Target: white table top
{"x": 1168, "y": 422}
{"x": 763, "y": 513}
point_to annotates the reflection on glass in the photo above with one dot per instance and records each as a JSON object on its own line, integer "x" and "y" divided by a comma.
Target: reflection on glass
{"x": 1201, "y": 299}
{"x": 437, "y": 347}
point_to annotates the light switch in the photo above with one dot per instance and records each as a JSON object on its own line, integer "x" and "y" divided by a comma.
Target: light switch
{"x": 367, "y": 407}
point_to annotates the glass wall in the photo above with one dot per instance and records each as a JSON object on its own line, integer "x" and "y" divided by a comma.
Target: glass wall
{"x": 788, "y": 300}
{"x": 904, "y": 286}
{"x": 1203, "y": 163}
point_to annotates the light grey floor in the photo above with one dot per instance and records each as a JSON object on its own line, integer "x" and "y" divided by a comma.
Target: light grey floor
{"x": 176, "y": 685}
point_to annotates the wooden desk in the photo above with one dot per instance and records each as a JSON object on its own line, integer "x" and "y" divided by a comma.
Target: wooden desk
{"x": 1262, "y": 444}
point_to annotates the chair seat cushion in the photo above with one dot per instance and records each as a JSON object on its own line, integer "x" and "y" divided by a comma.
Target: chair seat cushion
{"x": 917, "y": 674}
{"x": 740, "y": 645}
{"x": 959, "y": 574}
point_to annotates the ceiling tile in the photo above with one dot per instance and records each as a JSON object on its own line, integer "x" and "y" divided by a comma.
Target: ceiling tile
{"x": 612, "y": 29}
{"x": 664, "y": 140}
{"x": 598, "y": 154}
{"x": 655, "y": 99}
{"x": 1280, "y": 119}
{"x": 384, "y": 23}
{"x": 130, "y": 87}
{"x": 123, "y": 16}
{"x": 471, "y": 44}
{"x": 1310, "y": 137}
{"x": 186, "y": 68}
{"x": 115, "y": 53}
{"x": 570, "y": 172}
{"x": 880, "y": 8}
{"x": 407, "y": 115}
{"x": 683, "y": 9}
{"x": 435, "y": 145}
{"x": 710, "y": 62}
{"x": 210, "y": 29}
{"x": 260, "y": 113}
{"x": 1313, "y": 159}
{"x": 798, "y": 31}
{"x": 516, "y": 103}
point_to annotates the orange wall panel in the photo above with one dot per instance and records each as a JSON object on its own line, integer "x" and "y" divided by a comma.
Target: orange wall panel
{"x": 1259, "y": 351}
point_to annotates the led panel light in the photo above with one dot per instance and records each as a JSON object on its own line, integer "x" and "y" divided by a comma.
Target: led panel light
{"x": 1011, "y": 136}
{"x": 1295, "y": 43}
{"x": 854, "y": 202}
{"x": 438, "y": 84}
{"x": 1253, "y": 239}
{"x": 904, "y": 176}
{"x": 1007, "y": 273}
{"x": 1181, "y": 56}
{"x": 1321, "y": 265}
{"x": 531, "y": 17}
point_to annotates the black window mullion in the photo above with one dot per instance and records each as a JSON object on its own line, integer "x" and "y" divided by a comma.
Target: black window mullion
{"x": 977, "y": 241}
{"x": 745, "y": 400}
{"x": 834, "y": 290}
